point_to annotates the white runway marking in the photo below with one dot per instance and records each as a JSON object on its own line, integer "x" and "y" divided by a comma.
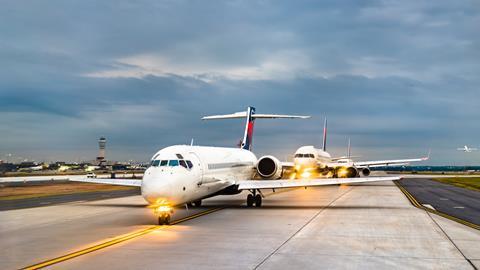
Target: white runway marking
{"x": 428, "y": 206}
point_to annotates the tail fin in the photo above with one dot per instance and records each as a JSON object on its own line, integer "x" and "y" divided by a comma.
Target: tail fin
{"x": 250, "y": 116}
{"x": 248, "y": 135}
{"x": 324, "y": 146}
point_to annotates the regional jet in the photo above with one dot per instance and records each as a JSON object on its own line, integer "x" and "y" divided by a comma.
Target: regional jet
{"x": 310, "y": 161}
{"x": 467, "y": 149}
{"x": 185, "y": 174}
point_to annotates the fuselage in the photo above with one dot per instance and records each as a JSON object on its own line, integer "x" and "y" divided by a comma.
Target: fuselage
{"x": 310, "y": 157}
{"x": 182, "y": 173}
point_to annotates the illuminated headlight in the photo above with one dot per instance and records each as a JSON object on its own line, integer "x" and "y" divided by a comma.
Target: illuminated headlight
{"x": 342, "y": 172}
{"x": 306, "y": 174}
{"x": 162, "y": 209}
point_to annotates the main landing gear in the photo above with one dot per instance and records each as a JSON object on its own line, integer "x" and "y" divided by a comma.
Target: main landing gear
{"x": 254, "y": 198}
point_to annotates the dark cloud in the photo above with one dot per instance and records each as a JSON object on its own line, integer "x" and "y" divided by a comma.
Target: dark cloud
{"x": 397, "y": 77}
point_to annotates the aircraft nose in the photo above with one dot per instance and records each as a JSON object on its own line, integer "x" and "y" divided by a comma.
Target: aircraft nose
{"x": 156, "y": 188}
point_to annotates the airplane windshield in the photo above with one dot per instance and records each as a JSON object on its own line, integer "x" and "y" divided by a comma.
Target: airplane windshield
{"x": 187, "y": 164}
{"x": 173, "y": 163}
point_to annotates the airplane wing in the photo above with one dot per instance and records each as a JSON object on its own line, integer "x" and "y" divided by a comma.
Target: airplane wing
{"x": 269, "y": 184}
{"x": 392, "y": 162}
{"x": 110, "y": 181}
{"x": 287, "y": 164}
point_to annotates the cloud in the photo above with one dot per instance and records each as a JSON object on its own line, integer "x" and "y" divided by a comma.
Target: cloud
{"x": 389, "y": 74}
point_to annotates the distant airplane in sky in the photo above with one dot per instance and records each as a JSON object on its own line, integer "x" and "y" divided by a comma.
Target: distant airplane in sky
{"x": 310, "y": 161}
{"x": 185, "y": 174}
{"x": 467, "y": 149}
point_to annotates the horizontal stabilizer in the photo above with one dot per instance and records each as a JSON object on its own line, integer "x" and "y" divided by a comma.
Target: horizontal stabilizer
{"x": 257, "y": 115}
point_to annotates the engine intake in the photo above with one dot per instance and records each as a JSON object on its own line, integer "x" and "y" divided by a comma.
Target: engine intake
{"x": 269, "y": 167}
{"x": 365, "y": 171}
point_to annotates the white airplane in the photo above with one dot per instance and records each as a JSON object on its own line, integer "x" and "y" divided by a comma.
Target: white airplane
{"x": 310, "y": 161}
{"x": 184, "y": 174}
{"x": 467, "y": 149}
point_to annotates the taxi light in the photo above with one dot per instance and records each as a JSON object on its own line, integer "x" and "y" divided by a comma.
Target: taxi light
{"x": 306, "y": 174}
{"x": 162, "y": 209}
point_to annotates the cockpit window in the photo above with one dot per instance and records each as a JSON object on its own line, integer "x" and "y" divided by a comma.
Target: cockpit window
{"x": 173, "y": 163}
{"x": 155, "y": 163}
{"x": 189, "y": 163}
{"x": 163, "y": 163}
{"x": 311, "y": 155}
{"x": 183, "y": 164}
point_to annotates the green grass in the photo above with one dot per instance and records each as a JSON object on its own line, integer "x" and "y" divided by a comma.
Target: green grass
{"x": 472, "y": 183}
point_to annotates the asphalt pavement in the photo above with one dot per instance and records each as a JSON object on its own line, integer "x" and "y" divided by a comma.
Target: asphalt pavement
{"x": 454, "y": 201}
{"x": 65, "y": 198}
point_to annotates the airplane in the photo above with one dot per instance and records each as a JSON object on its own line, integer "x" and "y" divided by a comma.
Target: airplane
{"x": 467, "y": 149}
{"x": 310, "y": 161}
{"x": 185, "y": 174}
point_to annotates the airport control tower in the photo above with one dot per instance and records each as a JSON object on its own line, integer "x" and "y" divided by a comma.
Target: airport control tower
{"x": 101, "y": 148}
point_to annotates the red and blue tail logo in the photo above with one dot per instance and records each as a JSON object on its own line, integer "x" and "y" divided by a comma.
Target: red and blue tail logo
{"x": 248, "y": 136}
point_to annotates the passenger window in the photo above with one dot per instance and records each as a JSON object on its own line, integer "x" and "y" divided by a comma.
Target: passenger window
{"x": 163, "y": 163}
{"x": 173, "y": 163}
{"x": 155, "y": 163}
{"x": 189, "y": 163}
{"x": 183, "y": 164}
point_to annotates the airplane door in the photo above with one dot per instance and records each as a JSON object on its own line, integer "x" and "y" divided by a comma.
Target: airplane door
{"x": 197, "y": 169}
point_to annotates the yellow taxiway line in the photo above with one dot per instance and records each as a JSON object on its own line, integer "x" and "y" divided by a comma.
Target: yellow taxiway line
{"x": 419, "y": 205}
{"x": 115, "y": 241}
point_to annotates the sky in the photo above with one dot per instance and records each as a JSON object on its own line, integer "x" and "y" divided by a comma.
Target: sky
{"x": 397, "y": 77}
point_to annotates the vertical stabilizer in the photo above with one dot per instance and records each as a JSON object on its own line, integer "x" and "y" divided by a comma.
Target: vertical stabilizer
{"x": 248, "y": 135}
{"x": 324, "y": 146}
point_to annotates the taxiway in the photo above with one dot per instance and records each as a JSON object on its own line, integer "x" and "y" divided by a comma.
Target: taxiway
{"x": 350, "y": 226}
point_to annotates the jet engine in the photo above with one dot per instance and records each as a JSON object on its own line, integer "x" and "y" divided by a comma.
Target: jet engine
{"x": 269, "y": 167}
{"x": 346, "y": 172}
{"x": 365, "y": 171}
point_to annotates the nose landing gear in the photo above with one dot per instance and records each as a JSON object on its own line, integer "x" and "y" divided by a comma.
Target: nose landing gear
{"x": 254, "y": 198}
{"x": 164, "y": 214}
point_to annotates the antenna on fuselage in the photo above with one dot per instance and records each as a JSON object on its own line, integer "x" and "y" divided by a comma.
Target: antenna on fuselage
{"x": 250, "y": 115}
{"x": 349, "y": 150}
{"x": 324, "y": 146}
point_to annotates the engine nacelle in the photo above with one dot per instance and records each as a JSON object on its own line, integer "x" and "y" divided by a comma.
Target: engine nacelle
{"x": 347, "y": 172}
{"x": 365, "y": 171}
{"x": 269, "y": 167}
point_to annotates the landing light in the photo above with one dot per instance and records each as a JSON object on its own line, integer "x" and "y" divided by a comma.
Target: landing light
{"x": 306, "y": 174}
{"x": 162, "y": 209}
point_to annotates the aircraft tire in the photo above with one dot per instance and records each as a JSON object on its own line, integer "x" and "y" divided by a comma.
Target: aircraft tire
{"x": 258, "y": 200}
{"x": 197, "y": 203}
{"x": 250, "y": 200}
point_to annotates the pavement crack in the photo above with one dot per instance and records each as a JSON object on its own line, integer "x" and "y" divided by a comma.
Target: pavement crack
{"x": 301, "y": 228}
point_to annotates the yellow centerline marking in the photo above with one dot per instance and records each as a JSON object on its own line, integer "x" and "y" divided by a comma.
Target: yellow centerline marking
{"x": 116, "y": 240}
{"x": 434, "y": 211}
